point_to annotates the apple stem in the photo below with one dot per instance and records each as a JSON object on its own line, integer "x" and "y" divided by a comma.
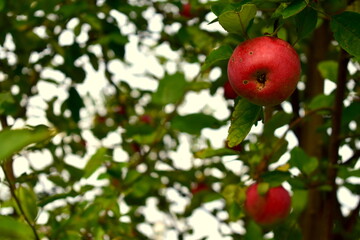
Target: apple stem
{"x": 268, "y": 112}
{"x": 277, "y": 27}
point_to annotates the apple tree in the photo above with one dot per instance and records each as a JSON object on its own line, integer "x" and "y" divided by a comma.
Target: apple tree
{"x": 100, "y": 139}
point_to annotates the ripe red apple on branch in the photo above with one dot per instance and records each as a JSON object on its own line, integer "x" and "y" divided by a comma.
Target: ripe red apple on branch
{"x": 264, "y": 70}
{"x": 229, "y": 92}
{"x": 267, "y": 208}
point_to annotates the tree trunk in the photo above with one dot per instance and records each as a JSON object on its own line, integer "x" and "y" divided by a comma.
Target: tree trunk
{"x": 311, "y": 222}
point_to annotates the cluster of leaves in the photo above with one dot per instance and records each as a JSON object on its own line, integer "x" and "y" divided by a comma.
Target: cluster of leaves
{"x": 140, "y": 165}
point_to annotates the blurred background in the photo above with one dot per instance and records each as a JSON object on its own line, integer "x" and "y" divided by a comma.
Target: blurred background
{"x": 141, "y": 121}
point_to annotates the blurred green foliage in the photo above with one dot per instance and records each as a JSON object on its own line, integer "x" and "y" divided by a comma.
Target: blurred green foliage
{"x": 141, "y": 164}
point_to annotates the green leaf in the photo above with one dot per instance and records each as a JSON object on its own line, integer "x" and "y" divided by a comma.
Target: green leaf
{"x": 235, "y": 211}
{"x": 95, "y": 162}
{"x": 263, "y": 188}
{"x": 253, "y": 232}
{"x": 351, "y": 113}
{"x": 354, "y": 188}
{"x": 55, "y": 197}
{"x": 305, "y": 22}
{"x": 2, "y": 4}
{"x": 151, "y": 137}
{"x": 199, "y": 39}
{"x": 294, "y": 8}
{"x": 6, "y": 102}
{"x": 194, "y": 123}
{"x": 131, "y": 177}
{"x": 222, "y": 53}
{"x": 238, "y": 21}
{"x": 14, "y": 140}
{"x": 345, "y": 172}
{"x": 278, "y": 120}
{"x": 170, "y": 90}
{"x": 74, "y": 103}
{"x": 302, "y": 161}
{"x": 299, "y": 200}
{"x": 278, "y": 12}
{"x": 198, "y": 86}
{"x": 93, "y": 60}
{"x": 219, "y": 8}
{"x": 243, "y": 118}
{"x": 28, "y": 200}
{"x": 321, "y": 101}
{"x": 348, "y": 36}
{"x": 328, "y": 69}
{"x": 275, "y": 178}
{"x": 209, "y": 152}
{"x": 12, "y": 229}
{"x": 142, "y": 187}
{"x": 233, "y": 193}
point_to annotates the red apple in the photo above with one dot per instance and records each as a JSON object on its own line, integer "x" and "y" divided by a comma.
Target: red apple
{"x": 238, "y": 148}
{"x": 121, "y": 110}
{"x": 269, "y": 208}
{"x": 264, "y": 70}
{"x": 186, "y": 10}
{"x": 199, "y": 187}
{"x": 147, "y": 119}
{"x": 229, "y": 92}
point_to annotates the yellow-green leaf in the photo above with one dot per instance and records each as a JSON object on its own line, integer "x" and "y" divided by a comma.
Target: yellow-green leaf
{"x": 28, "y": 200}
{"x": 14, "y": 140}
{"x": 238, "y": 21}
{"x": 13, "y": 229}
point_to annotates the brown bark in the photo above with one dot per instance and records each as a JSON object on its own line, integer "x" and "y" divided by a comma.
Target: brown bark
{"x": 310, "y": 139}
{"x": 334, "y": 144}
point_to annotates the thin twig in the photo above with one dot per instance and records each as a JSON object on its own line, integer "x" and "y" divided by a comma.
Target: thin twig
{"x": 18, "y": 203}
{"x": 7, "y": 167}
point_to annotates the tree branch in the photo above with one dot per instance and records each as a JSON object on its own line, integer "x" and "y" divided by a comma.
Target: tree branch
{"x": 7, "y": 167}
{"x": 334, "y": 144}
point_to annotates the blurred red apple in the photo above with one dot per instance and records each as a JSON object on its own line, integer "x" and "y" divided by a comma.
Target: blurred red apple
{"x": 198, "y": 187}
{"x": 238, "y": 148}
{"x": 269, "y": 208}
{"x": 229, "y": 92}
{"x": 146, "y": 119}
{"x": 186, "y": 10}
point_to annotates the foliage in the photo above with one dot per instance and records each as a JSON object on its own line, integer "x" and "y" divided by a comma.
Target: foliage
{"x": 54, "y": 55}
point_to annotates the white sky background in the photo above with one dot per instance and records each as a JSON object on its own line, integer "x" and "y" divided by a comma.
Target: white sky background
{"x": 204, "y": 224}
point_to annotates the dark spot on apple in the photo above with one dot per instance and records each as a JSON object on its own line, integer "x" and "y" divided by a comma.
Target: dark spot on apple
{"x": 250, "y": 52}
{"x": 245, "y": 82}
{"x": 261, "y": 77}
{"x": 233, "y": 59}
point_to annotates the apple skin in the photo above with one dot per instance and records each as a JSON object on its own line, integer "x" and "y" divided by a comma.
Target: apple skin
{"x": 229, "y": 92}
{"x": 199, "y": 187}
{"x": 270, "y": 208}
{"x": 147, "y": 119}
{"x": 264, "y": 70}
{"x": 186, "y": 10}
